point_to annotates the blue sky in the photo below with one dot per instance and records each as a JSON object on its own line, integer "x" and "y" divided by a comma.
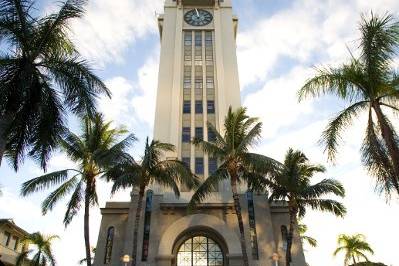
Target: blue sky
{"x": 278, "y": 44}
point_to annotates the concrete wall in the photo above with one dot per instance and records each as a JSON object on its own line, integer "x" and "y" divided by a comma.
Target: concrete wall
{"x": 170, "y": 220}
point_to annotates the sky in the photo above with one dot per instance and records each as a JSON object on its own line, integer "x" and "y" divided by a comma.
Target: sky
{"x": 279, "y": 44}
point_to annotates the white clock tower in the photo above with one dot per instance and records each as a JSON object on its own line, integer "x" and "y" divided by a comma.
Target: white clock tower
{"x": 198, "y": 81}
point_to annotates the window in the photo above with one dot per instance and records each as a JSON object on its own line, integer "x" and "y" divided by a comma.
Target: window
{"x": 209, "y": 83}
{"x": 198, "y": 83}
{"x": 212, "y": 165}
{"x": 199, "y": 133}
{"x": 147, "y": 225}
{"x": 200, "y": 250}
{"x": 186, "y": 134}
{"x": 187, "y": 83}
{"x": 252, "y": 225}
{"x": 186, "y": 161}
{"x": 198, "y": 38}
{"x": 109, "y": 244}
{"x": 198, "y": 107}
{"x": 211, "y": 135}
{"x": 8, "y": 238}
{"x": 199, "y": 165}
{"x": 187, "y": 38}
{"x": 284, "y": 236}
{"x": 16, "y": 239}
{"x": 211, "y": 107}
{"x": 186, "y": 107}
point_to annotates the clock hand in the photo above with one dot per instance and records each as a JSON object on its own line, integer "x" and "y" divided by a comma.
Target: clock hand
{"x": 196, "y": 10}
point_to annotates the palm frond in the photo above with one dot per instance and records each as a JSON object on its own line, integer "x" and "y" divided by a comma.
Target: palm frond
{"x": 58, "y": 194}
{"x": 208, "y": 186}
{"x": 331, "y": 136}
{"x": 326, "y": 205}
{"x": 44, "y": 181}
{"x": 74, "y": 204}
{"x": 325, "y": 186}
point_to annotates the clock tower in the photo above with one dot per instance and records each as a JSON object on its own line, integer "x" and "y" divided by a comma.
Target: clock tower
{"x": 197, "y": 83}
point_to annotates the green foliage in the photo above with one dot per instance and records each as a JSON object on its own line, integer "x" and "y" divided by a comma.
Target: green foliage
{"x": 94, "y": 152}
{"x": 42, "y": 77}
{"x": 42, "y": 254}
{"x": 231, "y": 149}
{"x": 367, "y": 83}
{"x": 302, "y": 229}
{"x": 293, "y": 183}
{"x": 152, "y": 169}
{"x": 355, "y": 247}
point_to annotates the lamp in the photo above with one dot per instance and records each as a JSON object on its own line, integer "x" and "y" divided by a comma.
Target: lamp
{"x": 275, "y": 258}
{"x": 126, "y": 259}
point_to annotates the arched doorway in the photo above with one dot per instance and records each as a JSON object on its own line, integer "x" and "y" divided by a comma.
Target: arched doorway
{"x": 199, "y": 249}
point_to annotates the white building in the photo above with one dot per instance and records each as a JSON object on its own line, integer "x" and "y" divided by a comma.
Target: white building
{"x": 198, "y": 81}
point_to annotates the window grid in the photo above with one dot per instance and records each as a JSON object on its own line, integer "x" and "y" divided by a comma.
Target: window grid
{"x": 200, "y": 251}
{"x": 199, "y": 165}
{"x": 147, "y": 225}
{"x": 252, "y": 226}
{"x": 109, "y": 244}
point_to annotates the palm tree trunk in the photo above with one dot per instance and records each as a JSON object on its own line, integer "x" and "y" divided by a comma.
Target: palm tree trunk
{"x": 354, "y": 261}
{"x": 290, "y": 236}
{"x": 86, "y": 226}
{"x": 136, "y": 224}
{"x": 237, "y": 208}
{"x": 390, "y": 142}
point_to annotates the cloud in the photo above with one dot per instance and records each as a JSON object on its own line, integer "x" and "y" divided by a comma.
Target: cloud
{"x": 109, "y": 28}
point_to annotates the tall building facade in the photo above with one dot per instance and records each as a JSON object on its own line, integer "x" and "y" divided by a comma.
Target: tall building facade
{"x": 198, "y": 81}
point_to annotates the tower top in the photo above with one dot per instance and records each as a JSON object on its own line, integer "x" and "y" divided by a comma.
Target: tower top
{"x": 217, "y": 3}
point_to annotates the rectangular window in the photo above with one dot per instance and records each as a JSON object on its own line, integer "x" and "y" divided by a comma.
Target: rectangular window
{"x": 187, "y": 38}
{"x": 198, "y": 38}
{"x": 7, "y": 238}
{"x": 187, "y": 83}
{"x": 211, "y": 107}
{"x": 198, "y": 83}
{"x": 186, "y": 135}
{"x": 16, "y": 239}
{"x": 199, "y": 165}
{"x": 211, "y": 136}
{"x": 147, "y": 225}
{"x": 186, "y": 161}
{"x": 198, "y": 107}
{"x": 199, "y": 133}
{"x": 212, "y": 166}
{"x": 252, "y": 225}
{"x": 186, "y": 107}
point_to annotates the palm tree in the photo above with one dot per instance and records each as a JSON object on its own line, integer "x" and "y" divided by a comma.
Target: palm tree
{"x": 236, "y": 162}
{"x": 83, "y": 261}
{"x": 367, "y": 83}
{"x": 292, "y": 183}
{"x": 302, "y": 229}
{"x": 94, "y": 152}
{"x": 354, "y": 246}
{"x": 41, "y": 78}
{"x": 43, "y": 254}
{"x": 151, "y": 170}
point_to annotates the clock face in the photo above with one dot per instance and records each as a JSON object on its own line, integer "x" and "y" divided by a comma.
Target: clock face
{"x": 198, "y": 17}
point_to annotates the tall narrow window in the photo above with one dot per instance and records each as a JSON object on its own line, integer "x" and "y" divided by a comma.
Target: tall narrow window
{"x": 284, "y": 236}
{"x": 186, "y": 135}
{"x": 211, "y": 136}
{"x": 109, "y": 244}
{"x": 186, "y": 161}
{"x": 198, "y": 107}
{"x": 16, "y": 243}
{"x": 252, "y": 225}
{"x": 186, "y": 107}
{"x": 199, "y": 133}
{"x": 147, "y": 225}
{"x": 199, "y": 165}
{"x": 7, "y": 238}
{"x": 212, "y": 165}
{"x": 211, "y": 107}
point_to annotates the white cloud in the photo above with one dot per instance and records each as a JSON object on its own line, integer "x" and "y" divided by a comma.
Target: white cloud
{"x": 110, "y": 27}
{"x": 277, "y": 103}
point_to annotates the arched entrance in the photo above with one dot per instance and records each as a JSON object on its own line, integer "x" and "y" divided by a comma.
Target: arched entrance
{"x": 199, "y": 249}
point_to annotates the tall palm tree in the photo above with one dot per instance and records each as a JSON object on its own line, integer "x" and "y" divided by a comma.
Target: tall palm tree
{"x": 302, "y": 229}
{"x": 367, "y": 83}
{"x": 236, "y": 163}
{"x": 41, "y": 78}
{"x": 292, "y": 184}
{"x": 94, "y": 152}
{"x": 43, "y": 254}
{"x": 354, "y": 246}
{"x": 152, "y": 169}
